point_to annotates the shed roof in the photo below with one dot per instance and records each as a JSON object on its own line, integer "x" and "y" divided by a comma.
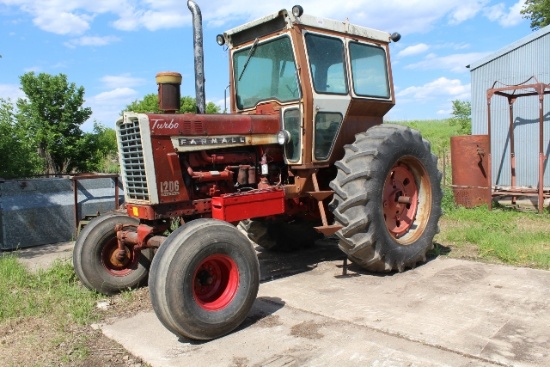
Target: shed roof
{"x": 511, "y": 47}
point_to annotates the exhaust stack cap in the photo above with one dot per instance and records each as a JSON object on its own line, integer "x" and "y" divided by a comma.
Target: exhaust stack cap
{"x": 169, "y": 91}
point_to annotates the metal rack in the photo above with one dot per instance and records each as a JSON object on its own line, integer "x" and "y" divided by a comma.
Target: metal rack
{"x": 529, "y": 88}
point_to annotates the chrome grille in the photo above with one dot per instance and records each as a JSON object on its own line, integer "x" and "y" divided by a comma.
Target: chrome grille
{"x": 132, "y": 161}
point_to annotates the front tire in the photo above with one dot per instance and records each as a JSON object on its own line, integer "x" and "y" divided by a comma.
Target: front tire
{"x": 95, "y": 261}
{"x": 387, "y": 199}
{"x": 204, "y": 279}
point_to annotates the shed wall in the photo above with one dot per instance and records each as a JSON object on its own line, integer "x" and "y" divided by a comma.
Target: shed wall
{"x": 515, "y": 66}
{"x": 41, "y": 211}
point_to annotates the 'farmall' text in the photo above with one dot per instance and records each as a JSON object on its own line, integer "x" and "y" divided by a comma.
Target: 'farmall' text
{"x": 212, "y": 141}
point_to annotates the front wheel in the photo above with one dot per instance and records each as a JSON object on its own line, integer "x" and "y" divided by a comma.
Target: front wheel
{"x": 387, "y": 198}
{"x": 204, "y": 279}
{"x": 98, "y": 263}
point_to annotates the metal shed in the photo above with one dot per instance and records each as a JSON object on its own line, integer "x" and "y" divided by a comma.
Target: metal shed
{"x": 514, "y": 65}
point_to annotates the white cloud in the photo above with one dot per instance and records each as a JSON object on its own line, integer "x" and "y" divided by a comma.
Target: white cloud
{"x": 153, "y": 20}
{"x": 414, "y": 50}
{"x": 452, "y": 45}
{"x": 505, "y": 17}
{"x": 115, "y": 95}
{"x": 467, "y": 10}
{"x": 455, "y": 62}
{"x": 11, "y": 91}
{"x": 91, "y": 41}
{"x": 75, "y": 17}
{"x": 67, "y": 17}
{"x": 62, "y": 22}
{"x": 106, "y": 106}
{"x": 115, "y": 81}
{"x": 437, "y": 89}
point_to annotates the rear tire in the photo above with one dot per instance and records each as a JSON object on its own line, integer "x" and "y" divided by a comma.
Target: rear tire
{"x": 387, "y": 199}
{"x": 204, "y": 279}
{"x": 94, "y": 260}
{"x": 278, "y": 235}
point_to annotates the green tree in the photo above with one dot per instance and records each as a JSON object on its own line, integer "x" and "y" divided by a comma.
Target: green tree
{"x": 19, "y": 158}
{"x": 98, "y": 151}
{"x": 462, "y": 116}
{"x": 51, "y": 116}
{"x": 150, "y": 103}
{"x": 538, "y": 11}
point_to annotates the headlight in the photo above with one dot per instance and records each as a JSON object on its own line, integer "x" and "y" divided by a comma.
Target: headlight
{"x": 297, "y": 11}
{"x": 220, "y": 39}
{"x": 283, "y": 137}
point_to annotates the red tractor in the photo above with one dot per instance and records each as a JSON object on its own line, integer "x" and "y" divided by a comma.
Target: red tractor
{"x": 303, "y": 154}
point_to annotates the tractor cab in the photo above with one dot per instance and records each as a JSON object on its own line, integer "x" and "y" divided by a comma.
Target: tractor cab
{"x": 327, "y": 79}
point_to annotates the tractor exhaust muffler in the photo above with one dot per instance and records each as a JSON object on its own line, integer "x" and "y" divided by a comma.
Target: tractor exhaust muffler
{"x": 199, "y": 56}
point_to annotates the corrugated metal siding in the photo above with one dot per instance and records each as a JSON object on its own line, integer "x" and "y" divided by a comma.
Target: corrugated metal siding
{"x": 514, "y": 67}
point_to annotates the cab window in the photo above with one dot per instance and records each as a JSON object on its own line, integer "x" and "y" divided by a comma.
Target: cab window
{"x": 369, "y": 70}
{"x": 326, "y": 59}
{"x": 265, "y": 71}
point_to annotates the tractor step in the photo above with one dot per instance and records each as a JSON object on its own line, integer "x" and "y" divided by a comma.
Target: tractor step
{"x": 320, "y": 195}
{"x": 328, "y": 230}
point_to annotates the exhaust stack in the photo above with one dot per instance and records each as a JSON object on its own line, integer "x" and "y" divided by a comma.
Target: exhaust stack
{"x": 199, "y": 56}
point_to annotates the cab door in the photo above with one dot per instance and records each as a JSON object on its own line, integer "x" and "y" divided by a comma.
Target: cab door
{"x": 331, "y": 97}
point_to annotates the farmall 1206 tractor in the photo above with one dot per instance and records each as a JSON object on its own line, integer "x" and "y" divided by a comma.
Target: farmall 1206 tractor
{"x": 304, "y": 152}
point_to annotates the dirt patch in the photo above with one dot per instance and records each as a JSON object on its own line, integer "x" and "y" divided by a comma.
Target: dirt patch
{"x": 307, "y": 329}
{"x": 239, "y": 362}
{"x": 532, "y": 224}
{"x": 125, "y": 305}
{"x": 35, "y": 341}
{"x": 270, "y": 321}
{"x": 466, "y": 251}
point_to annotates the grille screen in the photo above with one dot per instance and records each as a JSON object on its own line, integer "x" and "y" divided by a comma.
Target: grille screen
{"x": 133, "y": 163}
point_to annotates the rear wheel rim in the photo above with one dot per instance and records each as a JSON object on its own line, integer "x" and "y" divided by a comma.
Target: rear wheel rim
{"x": 400, "y": 200}
{"x": 215, "y": 282}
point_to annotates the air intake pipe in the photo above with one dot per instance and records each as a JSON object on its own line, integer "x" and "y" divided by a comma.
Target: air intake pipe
{"x": 199, "y": 55}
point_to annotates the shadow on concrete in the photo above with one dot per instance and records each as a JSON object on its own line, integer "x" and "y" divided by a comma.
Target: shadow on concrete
{"x": 262, "y": 309}
{"x": 350, "y": 269}
{"x": 276, "y": 265}
{"x": 38, "y": 252}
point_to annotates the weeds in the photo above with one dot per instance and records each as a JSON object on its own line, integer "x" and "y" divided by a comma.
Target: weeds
{"x": 499, "y": 235}
{"x": 54, "y": 293}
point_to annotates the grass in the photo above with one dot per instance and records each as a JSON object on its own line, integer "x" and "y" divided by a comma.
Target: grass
{"x": 437, "y": 132}
{"x": 500, "y": 235}
{"x": 46, "y": 317}
{"x": 54, "y": 293}
{"x": 41, "y": 315}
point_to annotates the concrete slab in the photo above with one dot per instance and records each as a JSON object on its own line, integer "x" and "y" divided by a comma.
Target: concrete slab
{"x": 42, "y": 257}
{"x": 444, "y": 313}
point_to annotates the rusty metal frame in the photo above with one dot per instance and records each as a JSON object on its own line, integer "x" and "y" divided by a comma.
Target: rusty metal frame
{"x": 529, "y": 88}
{"x": 75, "y": 180}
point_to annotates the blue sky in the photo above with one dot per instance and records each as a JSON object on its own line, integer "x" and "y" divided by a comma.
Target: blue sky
{"x": 114, "y": 48}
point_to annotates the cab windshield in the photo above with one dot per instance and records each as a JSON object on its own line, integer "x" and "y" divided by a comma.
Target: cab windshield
{"x": 265, "y": 71}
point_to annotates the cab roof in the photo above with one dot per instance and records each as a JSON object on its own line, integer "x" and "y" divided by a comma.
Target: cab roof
{"x": 284, "y": 19}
